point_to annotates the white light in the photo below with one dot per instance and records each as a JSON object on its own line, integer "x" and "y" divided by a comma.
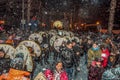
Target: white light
{"x": 29, "y": 24}
{"x": 60, "y": 33}
{"x": 45, "y": 12}
{"x": 35, "y": 24}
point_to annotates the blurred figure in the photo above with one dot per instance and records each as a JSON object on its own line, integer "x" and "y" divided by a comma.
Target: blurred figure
{"x": 4, "y": 62}
{"x": 105, "y": 55}
{"x": 10, "y": 39}
{"x": 68, "y": 59}
{"x": 95, "y": 70}
{"x": 59, "y": 73}
{"x": 16, "y": 71}
{"x": 49, "y": 74}
{"x": 112, "y": 74}
{"x": 93, "y": 53}
{"x": 34, "y": 60}
{"x": 77, "y": 53}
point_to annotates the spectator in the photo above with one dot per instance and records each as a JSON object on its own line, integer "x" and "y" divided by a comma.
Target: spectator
{"x": 105, "y": 55}
{"x": 68, "y": 59}
{"x": 59, "y": 73}
{"x": 93, "y": 53}
{"x": 95, "y": 70}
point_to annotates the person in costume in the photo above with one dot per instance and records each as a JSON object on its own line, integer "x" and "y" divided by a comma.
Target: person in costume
{"x": 4, "y": 62}
{"x": 16, "y": 71}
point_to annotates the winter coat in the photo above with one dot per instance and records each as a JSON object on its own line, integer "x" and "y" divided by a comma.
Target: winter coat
{"x": 93, "y": 54}
{"x": 68, "y": 58}
{"x": 95, "y": 73}
{"x": 51, "y": 76}
{"x": 62, "y": 75}
{"x": 105, "y": 55}
{"x": 17, "y": 75}
{"x": 48, "y": 74}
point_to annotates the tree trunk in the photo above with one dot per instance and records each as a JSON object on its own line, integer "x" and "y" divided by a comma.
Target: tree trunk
{"x": 28, "y": 10}
{"x": 111, "y": 16}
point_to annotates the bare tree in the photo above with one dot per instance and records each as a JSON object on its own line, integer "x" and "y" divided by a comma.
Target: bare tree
{"x": 28, "y": 10}
{"x": 111, "y": 15}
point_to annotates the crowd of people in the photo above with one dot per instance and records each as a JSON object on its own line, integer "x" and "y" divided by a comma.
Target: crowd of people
{"x": 101, "y": 53}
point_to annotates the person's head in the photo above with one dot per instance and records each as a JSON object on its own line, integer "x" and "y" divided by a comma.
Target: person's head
{"x": 59, "y": 66}
{"x": 98, "y": 62}
{"x": 63, "y": 43}
{"x": 102, "y": 47}
{"x": 74, "y": 42}
{"x": 108, "y": 40}
{"x": 95, "y": 46}
{"x": 69, "y": 45}
{"x": 43, "y": 35}
{"x": 89, "y": 41}
{"x": 2, "y": 53}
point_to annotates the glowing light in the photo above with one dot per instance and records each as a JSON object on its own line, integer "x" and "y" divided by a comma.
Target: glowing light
{"x": 29, "y": 24}
{"x": 58, "y": 24}
{"x": 46, "y": 12}
{"x": 82, "y": 24}
{"x": 97, "y": 22}
{"x": 2, "y": 22}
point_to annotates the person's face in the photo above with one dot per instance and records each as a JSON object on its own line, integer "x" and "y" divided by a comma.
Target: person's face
{"x": 98, "y": 64}
{"x": 59, "y": 66}
{"x": 69, "y": 46}
{"x": 73, "y": 43}
{"x": 89, "y": 41}
{"x": 103, "y": 49}
{"x": 95, "y": 45}
{"x": 1, "y": 54}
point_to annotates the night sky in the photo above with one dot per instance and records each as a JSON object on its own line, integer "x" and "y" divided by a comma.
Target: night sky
{"x": 83, "y": 11}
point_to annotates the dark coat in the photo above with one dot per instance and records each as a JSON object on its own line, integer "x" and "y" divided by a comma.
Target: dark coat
{"x": 4, "y": 65}
{"x": 68, "y": 58}
{"x": 95, "y": 73}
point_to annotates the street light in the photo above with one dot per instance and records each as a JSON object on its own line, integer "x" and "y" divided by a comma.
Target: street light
{"x": 97, "y": 22}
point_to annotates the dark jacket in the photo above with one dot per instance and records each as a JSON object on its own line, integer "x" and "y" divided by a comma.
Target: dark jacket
{"x": 95, "y": 73}
{"x": 4, "y": 65}
{"x": 68, "y": 58}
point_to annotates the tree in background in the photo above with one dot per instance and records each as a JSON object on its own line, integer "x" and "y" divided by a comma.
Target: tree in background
{"x": 111, "y": 15}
